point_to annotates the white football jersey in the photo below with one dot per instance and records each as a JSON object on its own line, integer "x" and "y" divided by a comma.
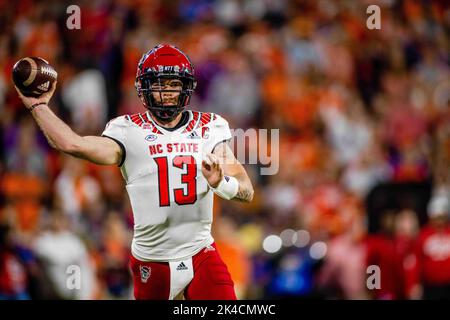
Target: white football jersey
{"x": 171, "y": 200}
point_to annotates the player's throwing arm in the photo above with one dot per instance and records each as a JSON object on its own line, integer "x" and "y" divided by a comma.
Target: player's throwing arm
{"x": 60, "y": 136}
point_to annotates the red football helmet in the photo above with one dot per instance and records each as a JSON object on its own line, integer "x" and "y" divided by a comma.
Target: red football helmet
{"x": 164, "y": 62}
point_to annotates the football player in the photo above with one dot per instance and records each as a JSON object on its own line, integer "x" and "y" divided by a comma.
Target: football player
{"x": 172, "y": 160}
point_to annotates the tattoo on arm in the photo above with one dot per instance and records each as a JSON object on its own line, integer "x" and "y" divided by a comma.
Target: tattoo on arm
{"x": 244, "y": 194}
{"x": 245, "y": 191}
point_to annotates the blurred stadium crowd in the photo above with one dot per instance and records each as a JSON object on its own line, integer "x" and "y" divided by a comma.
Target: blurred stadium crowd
{"x": 364, "y": 154}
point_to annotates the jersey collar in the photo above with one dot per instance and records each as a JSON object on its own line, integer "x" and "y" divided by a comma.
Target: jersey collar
{"x": 185, "y": 119}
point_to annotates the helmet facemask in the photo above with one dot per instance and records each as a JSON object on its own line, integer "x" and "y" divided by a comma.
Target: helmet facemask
{"x": 154, "y": 91}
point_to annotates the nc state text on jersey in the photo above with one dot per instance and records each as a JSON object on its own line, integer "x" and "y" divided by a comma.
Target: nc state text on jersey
{"x": 173, "y": 147}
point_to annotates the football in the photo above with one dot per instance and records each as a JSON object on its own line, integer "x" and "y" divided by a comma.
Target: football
{"x": 33, "y": 76}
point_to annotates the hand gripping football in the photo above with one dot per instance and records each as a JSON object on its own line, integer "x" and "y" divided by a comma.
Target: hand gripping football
{"x": 33, "y": 76}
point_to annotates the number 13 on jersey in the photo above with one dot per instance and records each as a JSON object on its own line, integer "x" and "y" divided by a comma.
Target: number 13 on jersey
{"x": 188, "y": 172}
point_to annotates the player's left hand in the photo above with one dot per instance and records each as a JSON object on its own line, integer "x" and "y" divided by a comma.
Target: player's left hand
{"x": 212, "y": 170}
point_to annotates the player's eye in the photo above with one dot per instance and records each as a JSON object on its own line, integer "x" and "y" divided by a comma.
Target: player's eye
{"x": 175, "y": 84}
{"x": 171, "y": 84}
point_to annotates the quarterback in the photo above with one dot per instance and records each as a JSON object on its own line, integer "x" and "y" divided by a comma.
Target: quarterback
{"x": 173, "y": 160}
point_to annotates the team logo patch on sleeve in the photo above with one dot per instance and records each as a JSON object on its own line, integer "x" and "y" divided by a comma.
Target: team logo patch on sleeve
{"x": 145, "y": 273}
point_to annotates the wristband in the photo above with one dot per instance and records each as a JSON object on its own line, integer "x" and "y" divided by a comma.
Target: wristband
{"x": 36, "y": 105}
{"x": 227, "y": 188}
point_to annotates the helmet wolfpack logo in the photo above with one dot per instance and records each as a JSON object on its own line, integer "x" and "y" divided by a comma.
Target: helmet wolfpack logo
{"x": 169, "y": 69}
{"x": 145, "y": 273}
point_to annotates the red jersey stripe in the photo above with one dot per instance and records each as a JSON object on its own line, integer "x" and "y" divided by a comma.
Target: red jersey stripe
{"x": 192, "y": 123}
{"x": 205, "y": 119}
{"x": 142, "y": 118}
{"x": 148, "y": 119}
{"x": 136, "y": 119}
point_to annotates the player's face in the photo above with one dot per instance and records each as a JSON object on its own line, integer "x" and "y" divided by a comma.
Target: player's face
{"x": 167, "y": 91}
